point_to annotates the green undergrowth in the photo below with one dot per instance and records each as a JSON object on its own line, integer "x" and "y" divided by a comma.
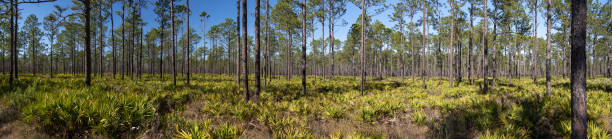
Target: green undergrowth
{"x": 212, "y": 106}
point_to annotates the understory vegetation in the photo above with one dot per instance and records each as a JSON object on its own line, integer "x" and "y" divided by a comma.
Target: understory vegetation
{"x": 212, "y": 107}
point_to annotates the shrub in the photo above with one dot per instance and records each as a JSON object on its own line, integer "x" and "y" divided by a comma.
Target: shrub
{"x": 226, "y": 131}
{"x": 195, "y": 131}
{"x": 106, "y": 113}
{"x": 334, "y": 112}
{"x": 419, "y": 118}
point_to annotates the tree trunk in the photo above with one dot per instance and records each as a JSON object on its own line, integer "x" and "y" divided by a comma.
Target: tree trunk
{"x": 161, "y": 49}
{"x": 123, "y": 41}
{"x": 238, "y": 53}
{"x": 450, "y": 58}
{"x": 173, "y": 44}
{"x": 485, "y": 49}
{"x": 412, "y": 52}
{"x": 331, "y": 39}
{"x": 494, "y": 43}
{"x": 245, "y": 52}
{"x": 470, "y": 44}
{"x": 258, "y": 53}
{"x": 134, "y": 26}
{"x": 189, "y": 40}
{"x": 578, "y": 69}
{"x": 363, "y": 43}
{"x": 87, "y": 13}
{"x": 534, "y": 52}
{"x": 101, "y": 69}
{"x": 323, "y": 64}
{"x": 303, "y": 45}
{"x": 269, "y": 61}
{"x": 423, "y": 48}
{"x": 549, "y": 24}
{"x": 113, "y": 41}
{"x": 12, "y": 65}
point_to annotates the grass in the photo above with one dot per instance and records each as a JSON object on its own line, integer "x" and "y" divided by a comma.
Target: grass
{"x": 213, "y": 107}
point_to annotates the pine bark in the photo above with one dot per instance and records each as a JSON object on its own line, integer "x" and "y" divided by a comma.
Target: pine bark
{"x": 578, "y": 69}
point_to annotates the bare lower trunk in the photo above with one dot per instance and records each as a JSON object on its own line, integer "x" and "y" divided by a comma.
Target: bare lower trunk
{"x": 245, "y": 52}
{"x": 486, "y": 51}
{"x": 578, "y": 69}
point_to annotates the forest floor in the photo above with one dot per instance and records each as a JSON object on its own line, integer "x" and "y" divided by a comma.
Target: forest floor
{"x": 213, "y": 107}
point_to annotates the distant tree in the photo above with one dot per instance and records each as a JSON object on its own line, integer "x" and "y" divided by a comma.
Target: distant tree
{"x": 160, "y": 10}
{"x": 203, "y": 17}
{"x": 412, "y": 6}
{"x": 34, "y": 34}
{"x": 363, "y": 4}
{"x": 337, "y": 8}
{"x": 52, "y": 24}
{"x": 398, "y": 16}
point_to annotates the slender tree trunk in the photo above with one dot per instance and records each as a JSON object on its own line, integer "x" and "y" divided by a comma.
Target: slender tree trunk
{"x": 494, "y": 65}
{"x": 161, "y": 48}
{"x": 245, "y": 52}
{"x": 12, "y": 65}
{"x": 173, "y": 43}
{"x": 485, "y": 50}
{"x": 15, "y": 39}
{"x": 238, "y": 53}
{"x": 101, "y": 69}
{"x": 123, "y": 71}
{"x": 534, "y": 52}
{"x": 412, "y": 52}
{"x": 609, "y": 72}
{"x": 331, "y": 39}
{"x": 87, "y": 13}
{"x": 189, "y": 40}
{"x": 141, "y": 64}
{"x": 303, "y": 44}
{"x": 450, "y": 58}
{"x": 258, "y": 53}
{"x": 470, "y": 44}
{"x": 403, "y": 49}
{"x": 424, "y": 41}
{"x": 363, "y": 43}
{"x": 113, "y": 41}
{"x": 323, "y": 64}
{"x": 549, "y": 24}
{"x": 50, "y": 55}
{"x": 578, "y": 69}
{"x": 265, "y": 52}
{"x": 267, "y": 66}
{"x": 131, "y": 49}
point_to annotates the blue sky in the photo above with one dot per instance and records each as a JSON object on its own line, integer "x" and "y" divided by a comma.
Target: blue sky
{"x": 221, "y": 9}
